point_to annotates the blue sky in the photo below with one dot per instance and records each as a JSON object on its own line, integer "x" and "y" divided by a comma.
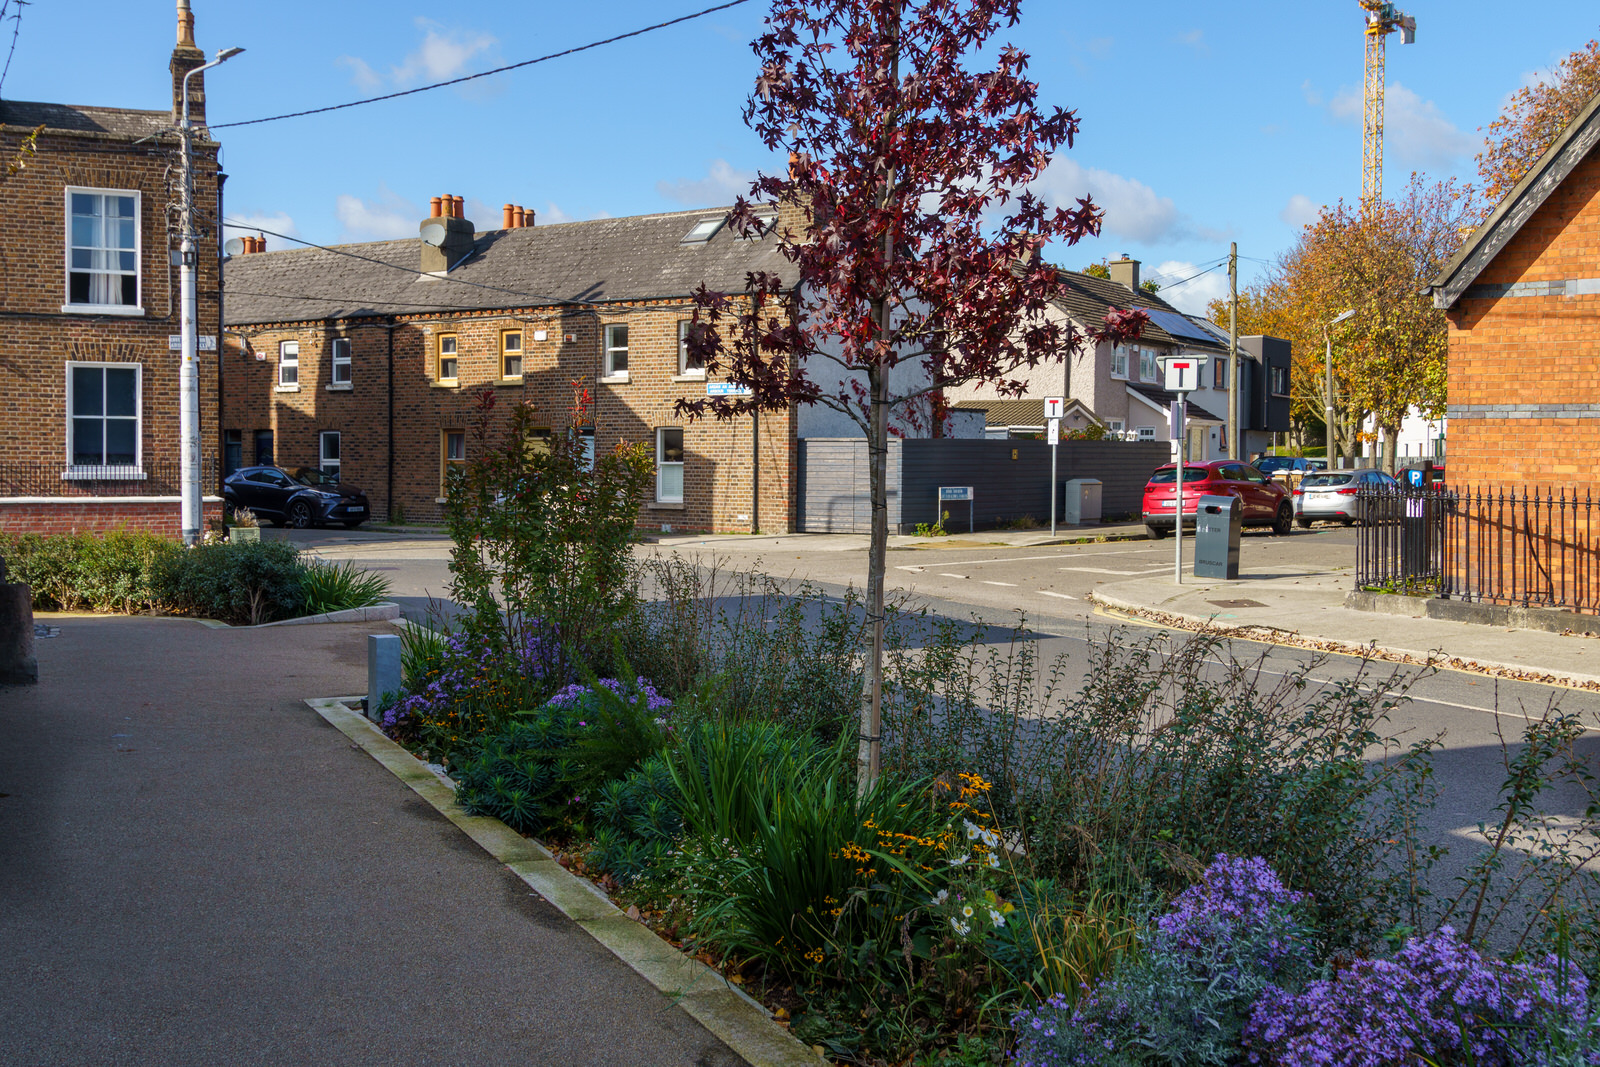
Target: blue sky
{"x": 1202, "y": 123}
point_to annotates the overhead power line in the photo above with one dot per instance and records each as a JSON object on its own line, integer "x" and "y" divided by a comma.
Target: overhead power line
{"x": 487, "y": 73}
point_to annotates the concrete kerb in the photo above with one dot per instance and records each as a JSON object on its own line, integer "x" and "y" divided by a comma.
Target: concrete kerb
{"x": 1294, "y": 639}
{"x": 729, "y": 1013}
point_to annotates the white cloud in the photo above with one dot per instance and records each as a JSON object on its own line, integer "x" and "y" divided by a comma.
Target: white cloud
{"x": 1192, "y": 296}
{"x": 1299, "y": 211}
{"x": 277, "y": 222}
{"x": 1415, "y": 133}
{"x": 721, "y": 185}
{"x": 1195, "y": 39}
{"x": 389, "y": 217}
{"x": 444, "y": 53}
{"x": 1311, "y": 95}
{"x": 553, "y": 214}
{"x": 1133, "y": 210}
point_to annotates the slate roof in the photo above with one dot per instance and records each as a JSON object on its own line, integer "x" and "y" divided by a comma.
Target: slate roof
{"x": 118, "y": 121}
{"x": 1013, "y": 412}
{"x": 1165, "y": 398}
{"x": 1570, "y": 148}
{"x": 640, "y": 257}
{"x": 1087, "y": 299}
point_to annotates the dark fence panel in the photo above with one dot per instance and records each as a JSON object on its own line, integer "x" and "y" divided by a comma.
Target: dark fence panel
{"x": 162, "y": 478}
{"x": 1516, "y": 547}
{"x": 1010, "y": 479}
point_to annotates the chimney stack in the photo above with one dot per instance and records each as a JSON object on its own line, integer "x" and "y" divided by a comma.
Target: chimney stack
{"x": 1125, "y": 272}
{"x": 458, "y": 235}
{"x": 186, "y": 56}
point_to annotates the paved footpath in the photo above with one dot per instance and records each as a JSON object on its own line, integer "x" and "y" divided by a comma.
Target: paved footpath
{"x": 196, "y": 869}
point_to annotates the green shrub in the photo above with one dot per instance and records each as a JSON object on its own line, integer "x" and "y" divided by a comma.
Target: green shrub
{"x": 89, "y": 572}
{"x": 339, "y": 587}
{"x": 520, "y": 775}
{"x": 635, "y": 820}
{"x": 244, "y": 583}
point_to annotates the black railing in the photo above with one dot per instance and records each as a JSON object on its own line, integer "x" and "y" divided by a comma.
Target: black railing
{"x": 152, "y": 478}
{"x": 1531, "y": 548}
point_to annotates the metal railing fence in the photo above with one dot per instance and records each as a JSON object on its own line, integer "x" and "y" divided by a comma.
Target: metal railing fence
{"x": 24, "y": 478}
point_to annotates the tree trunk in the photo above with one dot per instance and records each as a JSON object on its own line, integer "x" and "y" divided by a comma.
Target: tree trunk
{"x": 1391, "y": 442}
{"x": 869, "y": 753}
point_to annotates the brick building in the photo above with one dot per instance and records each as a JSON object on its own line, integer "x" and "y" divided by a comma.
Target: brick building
{"x": 1523, "y": 302}
{"x": 370, "y": 359}
{"x": 88, "y": 300}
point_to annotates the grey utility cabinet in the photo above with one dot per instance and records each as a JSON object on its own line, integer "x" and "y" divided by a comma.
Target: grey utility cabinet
{"x": 1218, "y": 523}
{"x": 1082, "y": 501}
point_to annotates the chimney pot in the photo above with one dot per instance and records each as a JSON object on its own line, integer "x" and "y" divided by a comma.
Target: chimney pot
{"x": 519, "y": 218}
{"x": 508, "y": 217}
{"x": 460, "y": 206}
{"x": 434, "y": 208}
{"x": 261, "y": 242}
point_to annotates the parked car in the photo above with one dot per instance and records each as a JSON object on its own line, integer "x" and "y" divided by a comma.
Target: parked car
{"x": 1272, "y": 465}
{"x": 1264, "y": 502}
{"x": 306, "y": 498}
{"x": 1333, "y": 495}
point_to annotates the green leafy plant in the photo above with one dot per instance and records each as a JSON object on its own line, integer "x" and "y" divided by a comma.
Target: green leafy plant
{"x": 245, "y": 583}
{"x": 543, "y": 539}
{"x": 936, "y": 529}
{"x": 340, "y": 586}
{"x": 243, "y": 518}
{"x": 116, "y": 571}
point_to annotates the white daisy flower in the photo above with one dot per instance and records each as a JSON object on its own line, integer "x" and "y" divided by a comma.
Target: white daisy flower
{"x": 941, "y": 896}
{"x": 960, "y": 927}
{"x": 973, "y": 829}
{"x": 993, "y": 860}
{"x": 996, "y": 918}
{"x": 966, "y": 911}
{"x": 959, "y": 860}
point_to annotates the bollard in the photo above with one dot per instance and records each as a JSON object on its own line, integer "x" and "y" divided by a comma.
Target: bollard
{"x": 17, "y": 664}
{"x": 383, "y": 670}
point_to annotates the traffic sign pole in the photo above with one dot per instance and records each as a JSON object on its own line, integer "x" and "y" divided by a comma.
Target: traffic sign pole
{"x": 1053, "y": 408}
{"x": 1183, "y": 372}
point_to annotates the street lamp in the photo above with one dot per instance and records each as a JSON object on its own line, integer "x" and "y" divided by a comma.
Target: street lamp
{"x": 188, "y": 370}
{"x": 1327, "y": 407}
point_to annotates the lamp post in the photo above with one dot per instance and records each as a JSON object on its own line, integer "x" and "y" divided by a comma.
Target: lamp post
{"x": 1327, "y": 407}
{"x": 188, "y": 370}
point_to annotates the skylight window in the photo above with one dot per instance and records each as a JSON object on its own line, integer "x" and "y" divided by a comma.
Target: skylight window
{"x": 767, "y": 222}
{"x": 702, "y": 231}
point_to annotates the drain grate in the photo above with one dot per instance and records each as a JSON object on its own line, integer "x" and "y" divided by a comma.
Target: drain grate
{"x": 1237, "y": 603}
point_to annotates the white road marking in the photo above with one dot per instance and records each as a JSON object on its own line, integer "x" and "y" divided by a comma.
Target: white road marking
{"x": 1105, "y": 570}
{"x": 1063, "y": 596}
{"x": 952, "y": 575}
{"x": 1011, "y": 584}
{"x": 1074, "y": 550}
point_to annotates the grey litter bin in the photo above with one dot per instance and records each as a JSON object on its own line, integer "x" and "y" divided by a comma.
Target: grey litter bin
{"x": 1081, "y": 504}
{"x": 1218, "y": 520}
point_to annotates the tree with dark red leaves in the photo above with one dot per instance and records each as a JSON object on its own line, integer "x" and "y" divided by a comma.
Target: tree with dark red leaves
{"x": 918, "y": 263}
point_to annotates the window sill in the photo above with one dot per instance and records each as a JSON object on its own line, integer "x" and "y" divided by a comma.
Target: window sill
{"x": 285, "y": 388}
{"x": 339, "y": 387}
{"x": 512, "y": 380}
{"x": 101, "y": 309}
{"x": 441, "y": 500}
{"x": 448, "y": 383}
{"x": 104, "y": 474}
{"x": 613, "y": 379}
{"x": 660, "y": 505}
{"x": 689, "y": 377}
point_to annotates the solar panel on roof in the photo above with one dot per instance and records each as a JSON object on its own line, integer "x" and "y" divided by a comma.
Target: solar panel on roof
{"x": 1178, "y": 326}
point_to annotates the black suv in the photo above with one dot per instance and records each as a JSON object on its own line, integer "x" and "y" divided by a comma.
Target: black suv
{"x": 305, "y": 498}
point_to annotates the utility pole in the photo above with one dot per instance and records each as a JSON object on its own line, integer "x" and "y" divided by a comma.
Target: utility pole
{"x": 189, "y": 370}
{"x": 1233, "y": 350}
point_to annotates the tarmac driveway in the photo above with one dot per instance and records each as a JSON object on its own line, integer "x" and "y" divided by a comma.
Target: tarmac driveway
{"x": 196, "y": 869}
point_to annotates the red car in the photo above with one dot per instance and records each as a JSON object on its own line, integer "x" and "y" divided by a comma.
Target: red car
{"x": 1264, "y": 502}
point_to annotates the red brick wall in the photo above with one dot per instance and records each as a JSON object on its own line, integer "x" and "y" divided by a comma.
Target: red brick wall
{"x": 717, "y": 473}
{"x": 39, "y": 339}
{"x": 152, "y": 516}
{"x": 1533, "y": 350}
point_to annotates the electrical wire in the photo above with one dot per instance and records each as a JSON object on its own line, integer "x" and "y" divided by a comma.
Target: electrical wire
{"x": 484, "y": 74}
{"x": 1210, "y": 264}
{"x": 1173, "y": 285}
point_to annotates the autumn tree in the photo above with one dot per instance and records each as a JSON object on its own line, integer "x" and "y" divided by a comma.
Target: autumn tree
{"x": 919, "y": 266}
{"x": 1533, "y": 118}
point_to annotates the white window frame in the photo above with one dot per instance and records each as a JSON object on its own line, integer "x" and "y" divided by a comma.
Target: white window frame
{"x": 684, "y": 370}
{"x": 108, "y": 471}
{"x": 1149, "y": 368}
{"x": 454, "y": 356}
{"x": 137, "y": 308}
{"x": 1114, "y": 428}
{"x": 323, "y": 462}
{"x": 612, "y": 371}
{"x": 339, "y": 355}
{"x": 1119, "y": 362}
{"x": 663, "y": 465}
{"x": 1145, "y": 433}
{"x": 289, "y": 359}
{"x": 506, "y": 355}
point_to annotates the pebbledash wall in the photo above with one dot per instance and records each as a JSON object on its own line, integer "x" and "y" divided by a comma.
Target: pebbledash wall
{"x": 114, "y": 155}
{"x": 394, "y": 415}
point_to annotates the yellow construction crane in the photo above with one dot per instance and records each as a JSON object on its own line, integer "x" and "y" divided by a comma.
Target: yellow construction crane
{"x": 1382, "y": 20}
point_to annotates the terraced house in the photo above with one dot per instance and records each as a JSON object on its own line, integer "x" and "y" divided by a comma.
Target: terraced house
{"x": 89, "y": 305}
{"x": 373, "y": 360}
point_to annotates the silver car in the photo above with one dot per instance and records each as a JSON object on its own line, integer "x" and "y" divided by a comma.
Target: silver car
{"x": 1333, "y": 495}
